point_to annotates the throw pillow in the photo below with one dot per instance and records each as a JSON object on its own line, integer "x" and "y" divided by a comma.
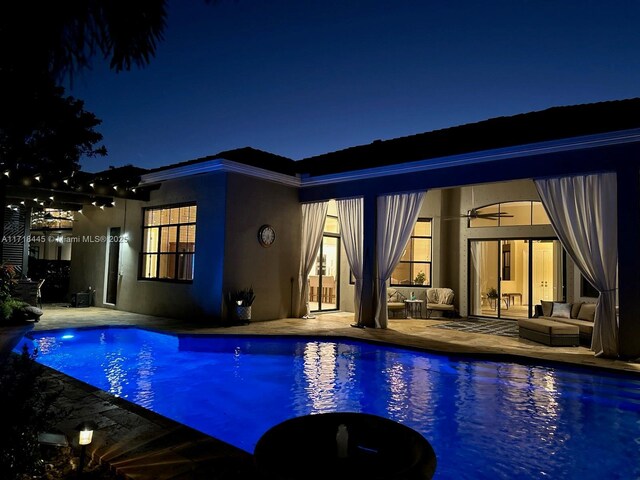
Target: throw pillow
{"x": 432, "y": 295}
{"x": 561, "y": 310}
{"x": 587, "y": 312}
{"x": 447, "y": 298}
{"x": 547, "y": 308}
{"x": 575, "y": 309}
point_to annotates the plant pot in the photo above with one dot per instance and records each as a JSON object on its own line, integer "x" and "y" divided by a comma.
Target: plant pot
{"x": 243, "y": 313}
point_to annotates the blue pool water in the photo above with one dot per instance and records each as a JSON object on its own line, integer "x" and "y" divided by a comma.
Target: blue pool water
{"x": 484, "y": 419}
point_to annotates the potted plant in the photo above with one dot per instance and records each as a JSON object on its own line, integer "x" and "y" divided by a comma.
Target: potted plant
{"x": 420, "y": 278}
{"x": 492, "y": 293}
{"x": 240, "y": 301}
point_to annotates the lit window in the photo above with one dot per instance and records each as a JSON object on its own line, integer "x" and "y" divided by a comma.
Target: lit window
{"x": 168, "y": 243}
{"x": 414, "y": 267}
{"x": 525, "y": 213}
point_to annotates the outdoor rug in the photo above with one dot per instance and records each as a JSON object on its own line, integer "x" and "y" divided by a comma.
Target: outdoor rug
{"x": 504, "y": 328}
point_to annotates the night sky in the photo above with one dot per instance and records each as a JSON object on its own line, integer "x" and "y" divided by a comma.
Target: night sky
{"x": 300, "y": 77}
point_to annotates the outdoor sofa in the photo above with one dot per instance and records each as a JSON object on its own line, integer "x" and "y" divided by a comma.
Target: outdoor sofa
{"x": 549, "y": 324}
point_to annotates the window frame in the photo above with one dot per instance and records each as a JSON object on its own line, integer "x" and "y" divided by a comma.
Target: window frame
{"x": 158, "y": 253}
{"x": 412, "y": 262}
{"x": 499, "y": 206}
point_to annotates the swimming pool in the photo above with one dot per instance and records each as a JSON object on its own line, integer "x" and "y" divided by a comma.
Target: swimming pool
{"x": 484, "y": 419}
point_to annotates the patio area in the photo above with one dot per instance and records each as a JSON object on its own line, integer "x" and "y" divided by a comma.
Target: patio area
{"x": 141, "y": 444}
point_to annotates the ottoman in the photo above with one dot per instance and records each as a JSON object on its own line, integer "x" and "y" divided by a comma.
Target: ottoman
{"x": 554, "y": 334}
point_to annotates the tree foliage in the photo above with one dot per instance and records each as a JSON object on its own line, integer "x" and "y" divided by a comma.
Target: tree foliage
{"x": 42, "y": 43}
{"x": 62, "y": 37}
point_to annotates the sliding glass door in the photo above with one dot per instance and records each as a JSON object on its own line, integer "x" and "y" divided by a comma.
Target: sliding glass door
{"x": 507, "y": 277}
{"x": 324, "y": 280}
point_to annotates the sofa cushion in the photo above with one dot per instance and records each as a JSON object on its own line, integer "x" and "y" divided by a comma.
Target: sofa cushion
{"x": 561, "y": 310}
{"x": 432, "y": 295}
{"x": 587, "y": 312}
{"x": 547, "y": 308}
{"x": 575, "y": 309}
{"x": 549, "y": 327}
{"x": 585, "y": 327}
{"x": 440, "y": 306}
{"x": 447, "y": 297}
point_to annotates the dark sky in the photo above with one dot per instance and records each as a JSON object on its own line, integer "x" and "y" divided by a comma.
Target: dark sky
{"x": 302, "y": 77}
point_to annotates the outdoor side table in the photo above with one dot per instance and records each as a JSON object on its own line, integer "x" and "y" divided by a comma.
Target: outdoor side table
{"x": 413, "y": 308}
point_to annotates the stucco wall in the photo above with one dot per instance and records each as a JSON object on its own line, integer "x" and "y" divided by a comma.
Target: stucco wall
{"x": 198, "y": 301}
{"x": 272, "y": 271}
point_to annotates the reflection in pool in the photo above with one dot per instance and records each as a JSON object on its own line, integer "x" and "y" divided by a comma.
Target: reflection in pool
{"x": 484, "y": 419}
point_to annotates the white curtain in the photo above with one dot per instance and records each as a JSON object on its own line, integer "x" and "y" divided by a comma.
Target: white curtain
{"x": 313, "y": 218}
{"x": 350, "y": 217}
{"x": 583, "y": 212}
{"x": 479, "y": 250}
{"x": 396, "y": 217}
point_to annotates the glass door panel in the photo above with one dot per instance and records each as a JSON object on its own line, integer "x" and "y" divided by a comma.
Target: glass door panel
{"x": 547, "y": 271}
{"x": 483, "y": 278}
{"x": 514, "y": 280}
{"x": 324, "y": 281}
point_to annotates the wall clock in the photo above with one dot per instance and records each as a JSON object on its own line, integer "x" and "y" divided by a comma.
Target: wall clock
{"x": 266, "y": 235}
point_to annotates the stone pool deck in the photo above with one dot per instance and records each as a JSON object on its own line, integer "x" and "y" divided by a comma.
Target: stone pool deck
{"x": 142, "y": 445}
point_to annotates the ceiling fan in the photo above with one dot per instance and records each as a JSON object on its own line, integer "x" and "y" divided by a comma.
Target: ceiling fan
{"x": 476, "y": 213}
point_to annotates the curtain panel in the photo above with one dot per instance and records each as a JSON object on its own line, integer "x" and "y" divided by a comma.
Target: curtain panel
{"x": 350, "y": 218}
{"x": 396, "y": 218}
{"x": 313, "y": 218}
{"x": 583, "y": 212}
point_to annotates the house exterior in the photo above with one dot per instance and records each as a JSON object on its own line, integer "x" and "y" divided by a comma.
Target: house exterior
{"x": 194, "y": 236}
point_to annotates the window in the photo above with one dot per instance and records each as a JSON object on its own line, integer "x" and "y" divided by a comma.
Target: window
{"x": 507, "y": 214}
{"x": 168, "y": 243}
{"x": 414, "y": 267}
{"x": 586, "y": 289}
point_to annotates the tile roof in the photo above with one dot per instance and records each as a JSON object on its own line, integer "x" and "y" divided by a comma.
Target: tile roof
{"x": 551, "y": 124}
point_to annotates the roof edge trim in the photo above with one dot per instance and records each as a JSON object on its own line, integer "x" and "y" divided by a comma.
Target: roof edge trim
{"x": 219, "y": 165}
{"x": 540, "y": 148}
